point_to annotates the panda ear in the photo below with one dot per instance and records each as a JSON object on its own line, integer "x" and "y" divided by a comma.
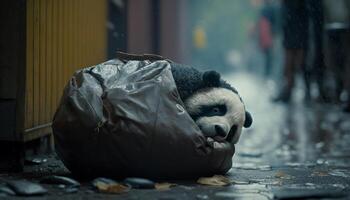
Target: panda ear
{"x": 211, "y": 79}
{"x": 248, "y": 120}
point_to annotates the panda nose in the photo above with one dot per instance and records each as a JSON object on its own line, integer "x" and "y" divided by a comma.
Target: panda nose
{"x": 220, "y": 131}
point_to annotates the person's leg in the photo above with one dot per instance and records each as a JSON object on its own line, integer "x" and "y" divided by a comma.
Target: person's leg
{"x": 339, "y": 59}
{"x": 347, "y": 68}
{"x": 306, "y": 71}
{"x": 295, "y": 60}
{"x": 288, "y": 76}
{"x": 318, "y": 68}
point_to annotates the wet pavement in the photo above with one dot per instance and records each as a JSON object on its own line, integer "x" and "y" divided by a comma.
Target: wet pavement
{"x": 295, "y": 151}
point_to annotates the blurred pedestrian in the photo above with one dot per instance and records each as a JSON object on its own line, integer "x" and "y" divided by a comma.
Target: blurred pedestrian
{"x": 337, "y": 16}
{"x": 265, "y": 27}
{"x": 313, "y": 65}
{"x": 295, "y": 27}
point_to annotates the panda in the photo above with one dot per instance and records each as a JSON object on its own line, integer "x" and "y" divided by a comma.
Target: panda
{"x": 213, "y": 104}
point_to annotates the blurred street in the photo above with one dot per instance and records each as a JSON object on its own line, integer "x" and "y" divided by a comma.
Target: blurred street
{"x": 292, "y": 151}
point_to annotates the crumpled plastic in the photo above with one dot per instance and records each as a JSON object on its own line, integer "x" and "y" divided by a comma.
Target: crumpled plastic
{"x": 125, "y": 118}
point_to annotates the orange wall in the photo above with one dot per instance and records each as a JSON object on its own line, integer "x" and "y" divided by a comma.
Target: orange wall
{"x": 62, "y": 36}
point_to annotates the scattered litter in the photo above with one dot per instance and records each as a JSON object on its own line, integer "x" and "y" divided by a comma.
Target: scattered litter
{"x": 106, "y": 185}
{"x": 140, "y": 183}
{"x": 319, "y": 173}
{"x": 164, "y": 186}
{"x": 103, "y": 180}
{"x": 26, "y": 188}
{"x": 283, "y": 175}
{"x": 114, "y": 188}
{"x": 61, "y": 180}
{"x": 216, "y": 180}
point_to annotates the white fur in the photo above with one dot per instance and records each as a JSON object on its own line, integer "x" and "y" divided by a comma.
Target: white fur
{"x": 235, "y": 114}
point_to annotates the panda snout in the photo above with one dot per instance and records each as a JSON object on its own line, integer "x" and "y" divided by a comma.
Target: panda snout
{"x": 220, "y": 131}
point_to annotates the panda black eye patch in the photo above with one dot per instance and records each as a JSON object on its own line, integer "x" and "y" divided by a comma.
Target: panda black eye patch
{"x": 209, "y": 111}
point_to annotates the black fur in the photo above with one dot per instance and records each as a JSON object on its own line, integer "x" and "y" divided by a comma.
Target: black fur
{"x": 248, "y": 120}
{"x": 189, "y": 79}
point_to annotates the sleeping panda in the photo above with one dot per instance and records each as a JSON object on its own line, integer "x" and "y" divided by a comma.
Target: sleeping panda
{"x": 213, "y": 104}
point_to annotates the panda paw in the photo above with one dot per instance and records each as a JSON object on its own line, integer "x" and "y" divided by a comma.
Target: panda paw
{"x": 211, "y": 78}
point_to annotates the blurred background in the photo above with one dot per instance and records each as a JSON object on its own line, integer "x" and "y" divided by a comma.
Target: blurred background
{"x": 289, "y": 59}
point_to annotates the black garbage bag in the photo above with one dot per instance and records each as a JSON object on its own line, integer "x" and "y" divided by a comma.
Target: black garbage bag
{"x": 125, "y": 118}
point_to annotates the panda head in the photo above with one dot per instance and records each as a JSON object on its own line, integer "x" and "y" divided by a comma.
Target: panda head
{"x": 217, "y": 109}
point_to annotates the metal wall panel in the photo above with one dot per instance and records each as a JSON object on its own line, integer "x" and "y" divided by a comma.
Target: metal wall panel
{"x": 62, "y": 36}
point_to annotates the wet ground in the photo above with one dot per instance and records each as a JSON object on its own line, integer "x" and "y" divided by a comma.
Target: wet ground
{"x": 295, "y": 151}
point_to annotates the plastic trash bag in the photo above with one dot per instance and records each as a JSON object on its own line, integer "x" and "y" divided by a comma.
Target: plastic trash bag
{"x": 125, "y": 118}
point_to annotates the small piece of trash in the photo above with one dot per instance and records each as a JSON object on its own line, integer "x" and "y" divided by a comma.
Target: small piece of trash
{"x": 216, "y": 180}
{"x": 102, "y": 180}
{"x": 319, "y": 173}
{"x": 164, "y": 186}
{"x": 283, "y": 175}
{"x": 139, "y": 183}
{"x": 60, "y": 180}
{"x": 114, "y": 188}
{"x": 26, "y": 188}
